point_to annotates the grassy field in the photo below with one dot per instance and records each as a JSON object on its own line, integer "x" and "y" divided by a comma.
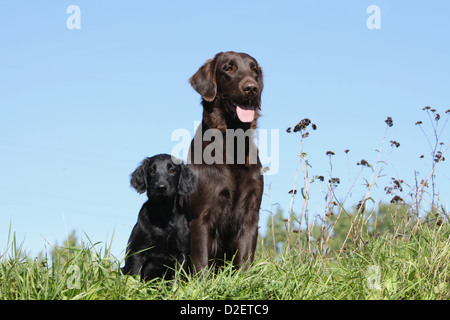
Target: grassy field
{"x": 373, "y": 250}
{"x": 383, "y": 268}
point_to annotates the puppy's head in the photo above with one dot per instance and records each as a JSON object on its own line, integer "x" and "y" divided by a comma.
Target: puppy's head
{"x": 163, "y": 178}
{"x": 235, "y": 79}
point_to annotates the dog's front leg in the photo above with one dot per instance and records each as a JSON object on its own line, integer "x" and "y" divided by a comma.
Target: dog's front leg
{"x": 200, "y": 246}
{"x": 245, "y": 246}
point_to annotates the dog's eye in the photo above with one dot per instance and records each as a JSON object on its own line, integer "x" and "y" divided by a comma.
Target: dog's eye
{"x": 229, "y": 68}
{"x": 172, "y": 170}
{"x": 152, "y": 171}
{"x": 255, "y": 70}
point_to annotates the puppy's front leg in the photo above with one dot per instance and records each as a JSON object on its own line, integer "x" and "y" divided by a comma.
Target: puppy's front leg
{"x": 133, "y": 264}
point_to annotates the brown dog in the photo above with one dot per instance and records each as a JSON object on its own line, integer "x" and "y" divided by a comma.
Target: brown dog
{"x": 230, "y": 184}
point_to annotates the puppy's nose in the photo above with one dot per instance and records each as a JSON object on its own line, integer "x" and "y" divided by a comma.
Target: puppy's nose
{"x": 250, "y": 87}
{"x": 160, "y": 187}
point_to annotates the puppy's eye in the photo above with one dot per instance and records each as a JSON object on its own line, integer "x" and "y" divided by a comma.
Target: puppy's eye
{"x": 255, "y": 70}
{"x": 171, "y": 170}
{"x": 229, "y": 68}
{"x": 152, "y": 171}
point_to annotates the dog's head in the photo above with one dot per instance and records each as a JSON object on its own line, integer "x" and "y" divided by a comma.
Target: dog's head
{"x": 163, "y": 177}
{"x": 236, "y": 80}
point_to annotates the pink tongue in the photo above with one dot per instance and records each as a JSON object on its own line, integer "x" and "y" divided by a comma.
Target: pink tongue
{"x": 246, "y": 113}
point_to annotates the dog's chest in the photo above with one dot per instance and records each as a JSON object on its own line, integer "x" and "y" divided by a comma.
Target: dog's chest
{"x": 238, "y": 197}
{"x": 175, "y": 235}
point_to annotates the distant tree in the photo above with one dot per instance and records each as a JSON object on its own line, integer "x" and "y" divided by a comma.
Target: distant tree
{"x": 276, "y": 233}
{"x": 390, "y": 219}
{"x": 354, "y": 225}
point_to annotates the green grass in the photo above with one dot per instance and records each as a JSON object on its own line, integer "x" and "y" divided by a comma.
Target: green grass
{"x": 384, "y": 268}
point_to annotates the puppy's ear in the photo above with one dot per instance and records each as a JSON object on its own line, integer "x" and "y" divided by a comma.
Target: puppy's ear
{"x": 139, "y": 177}
{"x": 188, "y": 181}
{"x": 204, "y": 80}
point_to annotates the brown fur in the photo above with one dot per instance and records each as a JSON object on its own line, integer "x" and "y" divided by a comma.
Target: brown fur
{"x": 228, "y": 197}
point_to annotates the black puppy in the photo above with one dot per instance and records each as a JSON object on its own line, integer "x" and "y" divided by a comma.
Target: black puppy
{"x": 161, "y": 237}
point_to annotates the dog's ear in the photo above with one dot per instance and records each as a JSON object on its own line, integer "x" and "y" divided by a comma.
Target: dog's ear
{"x": 139, "y": 177}
{"x": 188, "y": 181}
{"x": 261, "y": 85}
{"x": 204, "y": 80}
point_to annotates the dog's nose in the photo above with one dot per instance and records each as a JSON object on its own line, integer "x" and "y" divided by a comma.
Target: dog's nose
{"x": 160, "y": 187}
{"x": 250, "y": 87}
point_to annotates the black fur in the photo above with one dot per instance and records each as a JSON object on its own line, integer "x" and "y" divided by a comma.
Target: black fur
{"x": 161, "y": 237}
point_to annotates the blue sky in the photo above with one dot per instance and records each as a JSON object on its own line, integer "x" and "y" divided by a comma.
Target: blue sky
{"x": 79, "y": 109}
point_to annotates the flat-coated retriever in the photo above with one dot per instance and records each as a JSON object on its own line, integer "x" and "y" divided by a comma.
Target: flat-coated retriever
{"x": 227, "y": 200}
{"x": 160, "y": 238}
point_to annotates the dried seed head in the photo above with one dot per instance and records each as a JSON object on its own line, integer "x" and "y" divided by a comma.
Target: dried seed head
{"x": 389, "y": 121}
{"x": 288, "y": 130}
{"x": 329, "y": 213}
{"x": 418, "y": 122}
{"x": 395, "y": 143}
{"x": 334, "y": 181}
{"x": 396, "y": 199}
{"x": 302, "y": 125}
{"x": 346, "y": 150}
{"x": 438, "y": 157}
{"x": 363, "y": 163}
{"x": 361, "y": 206}
{"x": 397, "y": 184}
{"x": 330, "y": 153}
